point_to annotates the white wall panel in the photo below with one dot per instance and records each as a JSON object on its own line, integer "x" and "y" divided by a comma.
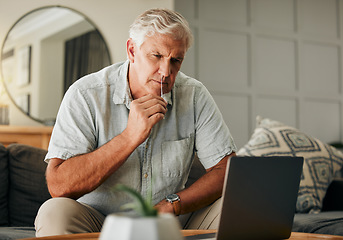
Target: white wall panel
{"x": 319, "y": 17}
{"x": 320, "y": 69}
{"x": 188, "y": 66}
{"x": 187, "y": 8}
{"x": 321, "y": 119}
{"x": 281, "y": 109}
{"x": 281, "y": 11}
{"x": 223, "y": 60}
{"x": 275, "y": 64}
{"x": 235, "y": 110}
{"x": 223, "y": 12}
{"x": 280, "y": 59}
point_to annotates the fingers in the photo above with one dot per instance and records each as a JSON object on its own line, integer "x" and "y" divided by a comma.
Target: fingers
{"x": 150, "y": 105}
{"x": 145, "y": 112}
{"x": 149, "y": 100}
{"x": 152, "y": 109}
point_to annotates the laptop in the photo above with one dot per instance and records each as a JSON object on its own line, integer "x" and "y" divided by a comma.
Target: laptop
{"x": 259, "y": 198}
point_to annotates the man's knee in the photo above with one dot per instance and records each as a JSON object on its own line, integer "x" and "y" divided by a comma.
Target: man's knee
{"x": 206, "y": 218}
{"x": 59, "y": 216}
{"x": 53, "y": 216}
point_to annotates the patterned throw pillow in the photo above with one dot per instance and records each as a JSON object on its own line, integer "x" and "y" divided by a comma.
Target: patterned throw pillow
{"x": 321, "y": 161}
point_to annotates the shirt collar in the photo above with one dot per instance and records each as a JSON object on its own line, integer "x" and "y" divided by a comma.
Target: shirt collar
{"x": 168, "y": 97}
{"x": 122, "y": 93}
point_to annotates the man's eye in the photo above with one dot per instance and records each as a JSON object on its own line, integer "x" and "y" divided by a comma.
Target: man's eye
{"x": 175, "y": 60}
{"x": 157, "y": 55}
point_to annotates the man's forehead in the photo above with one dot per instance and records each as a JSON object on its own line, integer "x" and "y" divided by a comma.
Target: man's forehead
{"x": 173, "y": 52}
{"x": 166, "y": 46}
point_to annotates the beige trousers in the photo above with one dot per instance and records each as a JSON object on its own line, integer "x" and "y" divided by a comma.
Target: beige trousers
{"x": 59, "y": 216}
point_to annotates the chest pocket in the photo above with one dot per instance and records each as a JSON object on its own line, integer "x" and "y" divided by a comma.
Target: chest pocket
{"x": 177, "y": 157}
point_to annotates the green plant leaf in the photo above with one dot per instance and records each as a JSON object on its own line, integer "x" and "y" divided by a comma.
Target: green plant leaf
{"x": 140, "y": 205}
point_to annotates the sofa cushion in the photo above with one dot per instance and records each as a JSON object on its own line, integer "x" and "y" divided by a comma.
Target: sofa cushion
{"x": 3, "y": 186}
{"x": 28, "y": 188}
{"x": 322, "y": 223}
{"x": 197, "y": 171}
{"x": 321, "y": 161}
{"x": 9, "y": 233}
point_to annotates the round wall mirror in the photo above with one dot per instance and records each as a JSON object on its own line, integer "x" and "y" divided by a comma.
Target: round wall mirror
{"x": 44, "y": 53}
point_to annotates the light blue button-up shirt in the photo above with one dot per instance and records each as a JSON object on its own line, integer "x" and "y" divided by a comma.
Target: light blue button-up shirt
{"x": 95, "y": 109}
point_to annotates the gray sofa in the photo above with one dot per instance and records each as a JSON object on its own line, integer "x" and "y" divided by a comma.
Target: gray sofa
{"x": 23, "y": 189}
{"x": 330, "y": 219}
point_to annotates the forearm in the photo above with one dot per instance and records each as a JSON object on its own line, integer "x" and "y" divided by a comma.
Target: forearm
{"x": 203, "y": 192}
{"x": 82, "y": 174}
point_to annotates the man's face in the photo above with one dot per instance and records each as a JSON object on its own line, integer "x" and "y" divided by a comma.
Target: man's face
{"x": 159, "y": 56}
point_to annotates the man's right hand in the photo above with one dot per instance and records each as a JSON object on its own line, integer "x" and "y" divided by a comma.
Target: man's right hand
{"x": 86, "y": 172}
{"x": 145, "y": 112}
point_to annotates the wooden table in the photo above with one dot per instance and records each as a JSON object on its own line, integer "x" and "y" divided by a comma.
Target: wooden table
{"x": 92, "y": 236}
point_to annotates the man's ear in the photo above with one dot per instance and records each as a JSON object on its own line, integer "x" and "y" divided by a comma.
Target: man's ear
{"x": 130, "y": 49}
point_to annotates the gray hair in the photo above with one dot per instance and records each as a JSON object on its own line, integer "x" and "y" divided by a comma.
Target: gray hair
{"x": 161, "y": 21}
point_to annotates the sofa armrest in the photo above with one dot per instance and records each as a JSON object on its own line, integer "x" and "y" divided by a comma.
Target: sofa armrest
{"x": 333, "y": 200}
{"x": 27, "y": 190}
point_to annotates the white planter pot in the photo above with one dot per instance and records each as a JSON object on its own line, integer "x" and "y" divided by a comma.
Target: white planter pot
{"x": 163, "y": 227}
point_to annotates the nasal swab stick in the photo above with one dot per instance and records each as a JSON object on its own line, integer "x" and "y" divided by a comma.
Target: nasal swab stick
{"x": 162, "y": 86}
{"x": 162, "y": 89}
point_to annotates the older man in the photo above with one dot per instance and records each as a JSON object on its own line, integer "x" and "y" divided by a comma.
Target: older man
{"x": 138, "y": 123}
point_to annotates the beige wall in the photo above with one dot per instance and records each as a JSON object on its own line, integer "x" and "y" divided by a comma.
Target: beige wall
{"x": 112, "y": 17}
{"x": 280, "y": 59}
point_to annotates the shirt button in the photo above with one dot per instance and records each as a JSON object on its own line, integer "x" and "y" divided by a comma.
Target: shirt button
{"x": 145, "y": 175}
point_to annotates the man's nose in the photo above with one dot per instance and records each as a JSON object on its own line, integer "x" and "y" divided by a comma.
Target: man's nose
{"x": 165, "y": 68}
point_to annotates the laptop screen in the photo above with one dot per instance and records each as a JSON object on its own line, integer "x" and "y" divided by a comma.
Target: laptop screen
{"x": 259, "y": 197}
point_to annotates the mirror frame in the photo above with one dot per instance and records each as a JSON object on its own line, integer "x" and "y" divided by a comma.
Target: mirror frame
{"x": 47, "y": 122}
